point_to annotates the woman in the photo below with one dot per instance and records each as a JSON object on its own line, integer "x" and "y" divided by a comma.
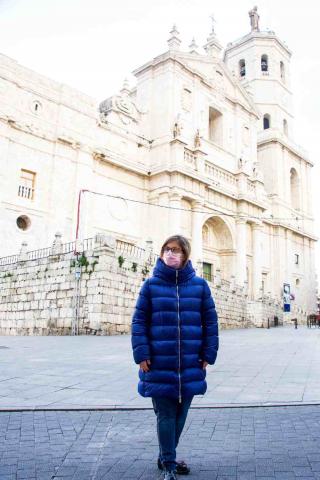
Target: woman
{"x": 174, "y": 338}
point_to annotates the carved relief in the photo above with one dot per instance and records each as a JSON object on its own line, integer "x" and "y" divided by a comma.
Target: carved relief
{"x": 121, "y": 104}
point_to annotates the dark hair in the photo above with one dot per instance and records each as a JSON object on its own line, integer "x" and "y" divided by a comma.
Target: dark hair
{"x": 183, "y": 243}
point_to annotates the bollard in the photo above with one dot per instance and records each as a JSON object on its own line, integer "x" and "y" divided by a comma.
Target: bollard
{"x": 268, "y": 323}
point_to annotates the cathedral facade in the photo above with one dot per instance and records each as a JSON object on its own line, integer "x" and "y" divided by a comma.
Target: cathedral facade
{"x": 202, "y": 145}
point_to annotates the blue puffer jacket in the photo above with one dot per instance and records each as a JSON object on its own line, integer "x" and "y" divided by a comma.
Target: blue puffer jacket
{"x": 175, "y": 327}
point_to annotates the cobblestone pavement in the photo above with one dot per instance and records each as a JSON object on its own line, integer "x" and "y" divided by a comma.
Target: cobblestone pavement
{"x": 280, "y": 443}
{"x": 254, "y": 367}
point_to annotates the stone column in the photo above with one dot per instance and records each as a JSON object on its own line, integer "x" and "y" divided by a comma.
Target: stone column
{"x": 241, "y": 251}
{"x": 175, "y": 213}
{"x": 197, "y": 222}
{"x": 257, "y": 229}
{"x": 290, "y": 250}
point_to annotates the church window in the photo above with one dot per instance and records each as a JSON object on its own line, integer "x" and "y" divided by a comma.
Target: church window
{"x": 285, "y": 126}
{"x": 296, "y": 259}
{"x": 23, "y": 222}
{"x": 264, "y": 63}
{"x": 242, "y": 68}
{"x": 294, "y": 189}
{"x": 26, "y": 184}
{"x": 215, "y": 126}
{"x": 207, "y": 271}
{"x": 282, "y": 72}
{"x": 266, "y": 121}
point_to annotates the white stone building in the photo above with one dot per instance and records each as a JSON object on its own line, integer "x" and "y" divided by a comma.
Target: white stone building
{"x": 203, "y": 146}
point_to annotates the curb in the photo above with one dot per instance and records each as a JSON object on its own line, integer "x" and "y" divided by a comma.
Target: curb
{"x": 115, "y": 408}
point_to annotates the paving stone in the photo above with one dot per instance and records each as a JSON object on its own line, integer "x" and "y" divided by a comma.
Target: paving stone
{"x": 123, "y": 445}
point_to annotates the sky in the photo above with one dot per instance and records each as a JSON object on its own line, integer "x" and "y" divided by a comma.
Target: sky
{"x": 93, "y": 46}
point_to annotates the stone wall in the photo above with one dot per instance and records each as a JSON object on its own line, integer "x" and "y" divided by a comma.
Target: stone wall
{"x": 39, "y": 296}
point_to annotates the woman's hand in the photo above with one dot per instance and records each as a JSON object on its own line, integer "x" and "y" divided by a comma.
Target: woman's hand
{"x": 204, "y": 365}
{"x": 145, "y": 365}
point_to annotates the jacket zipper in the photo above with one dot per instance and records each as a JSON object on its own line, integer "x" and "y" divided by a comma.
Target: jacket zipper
{"x": 179, "y": 338}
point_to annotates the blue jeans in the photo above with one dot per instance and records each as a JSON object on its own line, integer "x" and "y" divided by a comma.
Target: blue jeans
{"x": 171, "y": 417}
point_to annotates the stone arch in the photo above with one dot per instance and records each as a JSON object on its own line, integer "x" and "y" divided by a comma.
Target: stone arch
{"x": 294, "y": 189}
{"x": 218, "y": 246}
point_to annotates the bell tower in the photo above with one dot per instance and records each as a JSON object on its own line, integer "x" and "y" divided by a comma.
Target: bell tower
{"x": 261, "y": 61}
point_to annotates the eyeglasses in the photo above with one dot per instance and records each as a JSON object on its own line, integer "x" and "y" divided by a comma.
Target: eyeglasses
{"x": 173, "y": 250}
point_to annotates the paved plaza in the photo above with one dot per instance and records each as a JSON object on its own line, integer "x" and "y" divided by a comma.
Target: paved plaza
{"x": 254, "y": 367}
{"x": 279, "y": 443}
{"x": 260, "y": 369}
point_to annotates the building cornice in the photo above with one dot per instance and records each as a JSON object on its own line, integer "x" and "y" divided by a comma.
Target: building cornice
{"x": 286, "y": 226}
{"x": 275, "y": 136}
{"x": 253, "y": 37}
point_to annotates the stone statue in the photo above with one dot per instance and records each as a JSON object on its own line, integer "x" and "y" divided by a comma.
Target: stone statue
{"x": 254, "y": 19}
{"x": 197, "y": 140}
{"x": 176, "y": 129}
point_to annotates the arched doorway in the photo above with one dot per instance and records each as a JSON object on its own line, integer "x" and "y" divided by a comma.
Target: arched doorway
{"x": 218, "y": 251}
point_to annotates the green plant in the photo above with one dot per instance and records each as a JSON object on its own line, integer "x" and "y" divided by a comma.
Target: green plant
{"x": 94, "y": 264}
{"x": 83, "y": 261}
{"x": 72, "y": 263}
{"x": 8, "y": 275}
{"x": 134, "y": 266}
{"x": 121, "y": 260}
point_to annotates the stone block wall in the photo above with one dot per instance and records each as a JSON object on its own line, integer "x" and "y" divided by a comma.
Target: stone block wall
{"x": 39, "y": 297}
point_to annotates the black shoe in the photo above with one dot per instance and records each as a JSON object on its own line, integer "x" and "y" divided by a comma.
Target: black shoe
{"x": 181, "y": 467}
{"x": 169, "y": 475}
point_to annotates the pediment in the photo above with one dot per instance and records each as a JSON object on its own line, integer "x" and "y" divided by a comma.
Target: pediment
{"x": 215, "y": 73}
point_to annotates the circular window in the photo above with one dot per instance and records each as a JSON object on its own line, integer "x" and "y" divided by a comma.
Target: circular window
{"x": 23, "y": 222}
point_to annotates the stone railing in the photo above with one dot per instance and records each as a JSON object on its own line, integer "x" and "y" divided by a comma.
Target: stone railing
{"x": 220, "y": 176}
{"x": 190, "y": 158}
{"x": 57, "y": 248}
{"x": 251, "y": 187}
{"x": 77, "y": 248}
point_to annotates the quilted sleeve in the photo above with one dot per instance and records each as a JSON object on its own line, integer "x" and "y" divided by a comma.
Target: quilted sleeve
{"x": 140, "y": 325}
{"x": 210, "y": 336}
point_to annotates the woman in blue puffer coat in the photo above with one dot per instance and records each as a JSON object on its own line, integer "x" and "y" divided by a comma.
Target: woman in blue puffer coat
{"x": 174, "y": 338}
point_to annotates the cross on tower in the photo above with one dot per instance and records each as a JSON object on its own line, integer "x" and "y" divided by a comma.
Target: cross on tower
{"x": 213, "y": 20}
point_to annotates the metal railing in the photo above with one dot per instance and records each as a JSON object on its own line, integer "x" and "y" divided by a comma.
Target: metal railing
{"x": 25, "y": 192}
